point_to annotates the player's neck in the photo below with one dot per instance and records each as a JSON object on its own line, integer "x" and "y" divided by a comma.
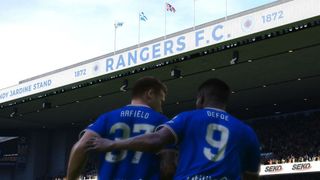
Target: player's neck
{"x": 216, "y": 106}
{"x": 138, "y": 102}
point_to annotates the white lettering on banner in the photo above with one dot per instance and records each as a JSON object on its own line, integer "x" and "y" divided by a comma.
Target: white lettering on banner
{"x": 275, "y": 168}
{"x": 301, "y": 166}
{"x": 42, "y": 84}
{"x": 20, "y": 90}
{"x": 287, "y": 168}
{"x": 275, "y": 16}
{"x": 25, "y": 89}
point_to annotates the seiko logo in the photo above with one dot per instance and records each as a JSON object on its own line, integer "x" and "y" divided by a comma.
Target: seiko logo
{"x": 273, "y": 168}
{"x": 301, "y": 166}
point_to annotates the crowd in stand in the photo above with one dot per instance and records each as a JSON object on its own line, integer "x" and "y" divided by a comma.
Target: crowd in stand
{"x": 289, "y": 138}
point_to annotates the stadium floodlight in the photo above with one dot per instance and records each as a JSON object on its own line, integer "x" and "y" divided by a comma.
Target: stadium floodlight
{"x": 124, "y": 86}
{"x": 235, "y": 57}
{"x": 176, "y": 73}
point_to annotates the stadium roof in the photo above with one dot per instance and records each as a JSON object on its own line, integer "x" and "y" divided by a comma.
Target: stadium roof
{"x": 278, "y": 71}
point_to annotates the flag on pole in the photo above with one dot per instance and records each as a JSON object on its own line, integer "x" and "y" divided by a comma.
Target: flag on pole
{"x": 118, "y": 24}
{"x": 170, "y": 8}
{"x": 143, "y": 17}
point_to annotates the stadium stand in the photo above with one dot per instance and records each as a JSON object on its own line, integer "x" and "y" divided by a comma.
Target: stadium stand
{"x": 289, "y": 138}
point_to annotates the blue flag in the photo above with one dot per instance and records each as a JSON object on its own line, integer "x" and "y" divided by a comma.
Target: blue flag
{"x": 143, "y": 17}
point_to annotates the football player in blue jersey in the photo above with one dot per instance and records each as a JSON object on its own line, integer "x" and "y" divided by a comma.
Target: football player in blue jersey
{"x": 213, "y": 145}
{"x": 140, "y": 117}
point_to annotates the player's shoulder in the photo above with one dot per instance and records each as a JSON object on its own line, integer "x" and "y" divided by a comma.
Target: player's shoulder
{"x": 153, "y": 113}
{"x": 249, "y": 136}
{"x": 161, "y": 116}
{"x": 245, "y": 129}
{"x": 240, "y": 124}
{"x": 109, "y": 114}
{"x": 235, "y": 120}
{"x": 249, "y": 130}
{"x": 195, "y": 113}
{"x": 157, "y": 115}
{"x": 187, "y": 114}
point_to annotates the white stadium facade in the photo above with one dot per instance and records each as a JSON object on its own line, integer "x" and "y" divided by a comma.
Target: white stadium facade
{"x": 269, "y": 55}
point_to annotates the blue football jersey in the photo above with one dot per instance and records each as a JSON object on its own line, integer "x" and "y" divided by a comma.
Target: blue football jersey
{"x": 126, "y": 122}
{"x": 213, "y": 145}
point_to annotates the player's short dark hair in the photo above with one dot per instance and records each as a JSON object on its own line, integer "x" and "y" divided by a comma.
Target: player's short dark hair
{"x": 214, "y": 90}
{"x": 144, "y": 84}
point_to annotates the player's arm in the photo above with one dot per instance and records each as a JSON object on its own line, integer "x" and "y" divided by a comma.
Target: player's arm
{"x": 252, "y": 157}
{"x": 79, "y": 155}
{"x": 168, "y": 163}
{"x": 152, "y": 142}
{"x": 252, "y": 173}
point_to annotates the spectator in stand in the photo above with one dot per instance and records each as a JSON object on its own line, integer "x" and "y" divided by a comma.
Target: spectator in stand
{"x": 289, "y": 138}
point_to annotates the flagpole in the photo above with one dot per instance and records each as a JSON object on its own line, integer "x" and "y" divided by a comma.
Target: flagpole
{"x": 165, "y": 20}
{"x": 194, "y": 14}
{"x": 139, "y": 30}
{"x": 226, "y": 16}
{"x": 115, "y": 37}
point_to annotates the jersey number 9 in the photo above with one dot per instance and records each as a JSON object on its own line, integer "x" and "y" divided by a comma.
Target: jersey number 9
{"x": 219, "y": 145}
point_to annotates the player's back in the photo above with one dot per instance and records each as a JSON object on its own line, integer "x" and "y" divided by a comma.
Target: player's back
{"x": 126, "y": 122}
{"x": 213, "y": 145}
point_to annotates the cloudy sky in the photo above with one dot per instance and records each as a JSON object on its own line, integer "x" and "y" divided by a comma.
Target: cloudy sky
{"x": 38, "y": 36}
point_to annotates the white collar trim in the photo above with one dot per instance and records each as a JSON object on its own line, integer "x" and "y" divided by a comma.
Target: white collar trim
{"x": 217, "y": 109}
{"x": 139, "y": 105}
